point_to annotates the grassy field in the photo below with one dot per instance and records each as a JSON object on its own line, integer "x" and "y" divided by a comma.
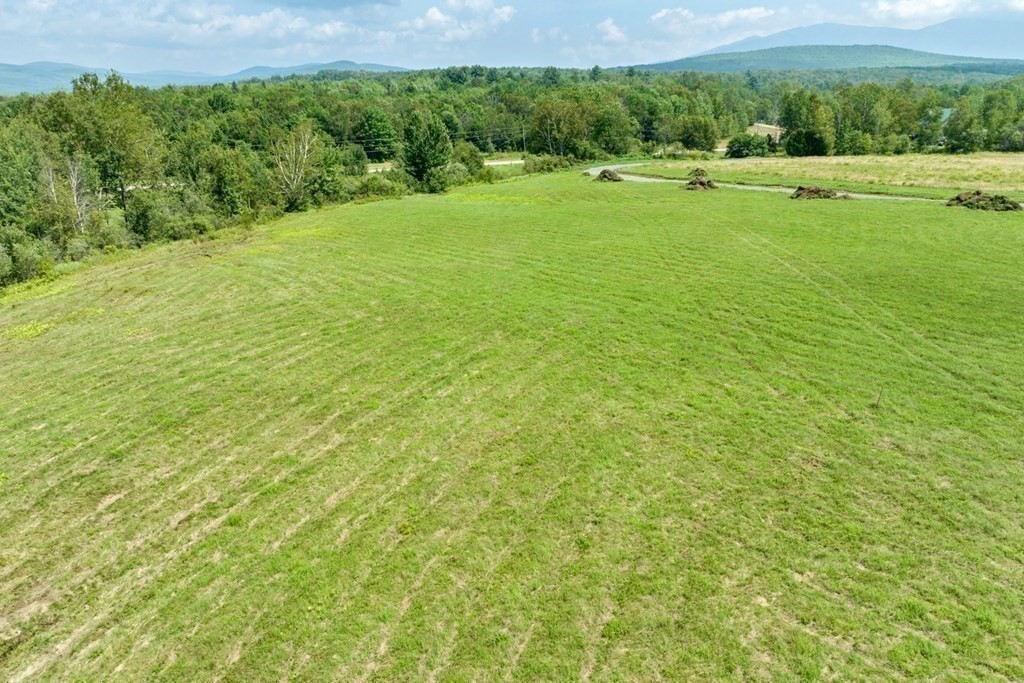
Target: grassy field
{"x": 933, "y": 176}
{"x": 543, "y": 430}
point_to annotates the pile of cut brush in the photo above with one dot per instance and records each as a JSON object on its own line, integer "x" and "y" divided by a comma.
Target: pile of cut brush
{"x": 607, "y": 175}
{"x": 815, "y": 192}
{"x": 701, "y": 184}
{"x": 699, "y": 181}
{"x": 981, "y": 201}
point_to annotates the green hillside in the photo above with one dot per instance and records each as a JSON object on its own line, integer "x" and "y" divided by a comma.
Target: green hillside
{"x": 37, "y": 77}
{"x": 828, "y": 57}
{"x": 42, "y": 77}
{"x": 262, "y": 72}
{"x": 541, "y": 430}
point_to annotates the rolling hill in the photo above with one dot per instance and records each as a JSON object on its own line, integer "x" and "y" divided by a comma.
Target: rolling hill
{"x": 306, "y": 69}
{"x": 39, "y": 77}
{"x": 819, "y": 57}
{"x": 996, "y": 37}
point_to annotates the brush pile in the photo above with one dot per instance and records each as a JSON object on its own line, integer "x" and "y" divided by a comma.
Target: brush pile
{"x": 699, "y": 181}
{"x": 701, "y": 184}
{"x": 980, "y": 201}
{"x": 607, "y": 175}
{"x": 815, "y": 192}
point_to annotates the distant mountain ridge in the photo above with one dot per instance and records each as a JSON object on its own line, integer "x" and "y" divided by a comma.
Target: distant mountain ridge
{"x": 994, "y": 35}
{"x": 820, "y": 57}
{"x": 39, "y": 77}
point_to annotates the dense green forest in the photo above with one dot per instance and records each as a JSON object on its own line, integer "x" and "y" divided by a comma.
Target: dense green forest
{"x": 109, "y": 166}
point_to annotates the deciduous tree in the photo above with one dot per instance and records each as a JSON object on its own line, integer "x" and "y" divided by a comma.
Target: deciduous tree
{"x": 297, "y": 158}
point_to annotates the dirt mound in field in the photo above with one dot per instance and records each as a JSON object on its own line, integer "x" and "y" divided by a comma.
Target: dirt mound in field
{"x": 701, "y": 184}
{"x": 815, "y": 192}
{"x": 608, "y": 176}
{"x": 981, "y": 201}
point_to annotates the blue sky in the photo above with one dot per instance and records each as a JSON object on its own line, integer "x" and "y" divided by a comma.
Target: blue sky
{"x": 226, "y": 35}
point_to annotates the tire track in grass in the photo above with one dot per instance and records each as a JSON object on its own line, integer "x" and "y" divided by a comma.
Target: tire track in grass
{"x": 518, "y": 537}
{"x": 310, "y": 351}
{"x": 518, "y": 648}
{"x": 296, "y": 443}
{"x": 143, "y": 579}
{"x": 871, "y": 328}
{"x": 684, "y": 261}
{"x": 882, "y": 311}
{"x": 173, "y": 294}
{"x": 590, "y": 661}
{"x": 877, "y": 330}
{"x": 743, "y": 233}
{"x": 593, "y": 636}
{"x": 412, "y": 474}
{"x": 443, "y": 490}
{"x": 157, "y": 378}
{"x": 484, "y": 584}
{"x": 158, "y": 505}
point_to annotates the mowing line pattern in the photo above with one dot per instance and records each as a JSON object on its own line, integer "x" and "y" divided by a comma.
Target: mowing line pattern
{"x": 542, "y": 430}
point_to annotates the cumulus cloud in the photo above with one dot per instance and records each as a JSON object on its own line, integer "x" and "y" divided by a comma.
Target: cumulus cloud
{"x": 679, "y": 30}
{"x": 225, "y": 35}
{"x": 610, "y": 33}
{"x": 172, "y": 25}
{"x": 460, "y": 20}
{"x": 917, "y": 10}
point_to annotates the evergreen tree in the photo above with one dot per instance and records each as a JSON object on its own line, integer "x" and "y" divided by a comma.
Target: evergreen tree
{"x": 427, "y": 150}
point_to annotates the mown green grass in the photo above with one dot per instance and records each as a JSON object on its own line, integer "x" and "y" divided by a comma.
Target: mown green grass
{"x": 544, "y": 430}
{"x": 927, "y": 176}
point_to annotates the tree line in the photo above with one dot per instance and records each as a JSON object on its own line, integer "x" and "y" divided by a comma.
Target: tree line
{"x": 108, "y": 166}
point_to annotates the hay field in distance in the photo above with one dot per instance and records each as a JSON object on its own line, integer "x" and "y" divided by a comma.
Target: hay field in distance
{"x": 932, "y": 176}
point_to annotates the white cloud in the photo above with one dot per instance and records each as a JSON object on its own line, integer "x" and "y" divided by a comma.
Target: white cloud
{"x": 465, "y": 20}
{"x": 676, "y": 32}
{"x": 680, "y": 31}
{"x": 196, "y": 25}
{"x": 330, "y": 30}
{"x": 610, "y": 33}
{"x": 918, "y": 10}
{"x": 554, "y": 34}
{"x": 682, "y": 21}
{"x": 225, "y": 35}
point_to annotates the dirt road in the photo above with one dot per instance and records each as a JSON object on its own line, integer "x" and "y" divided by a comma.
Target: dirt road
{"x": 618, "y": 168}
